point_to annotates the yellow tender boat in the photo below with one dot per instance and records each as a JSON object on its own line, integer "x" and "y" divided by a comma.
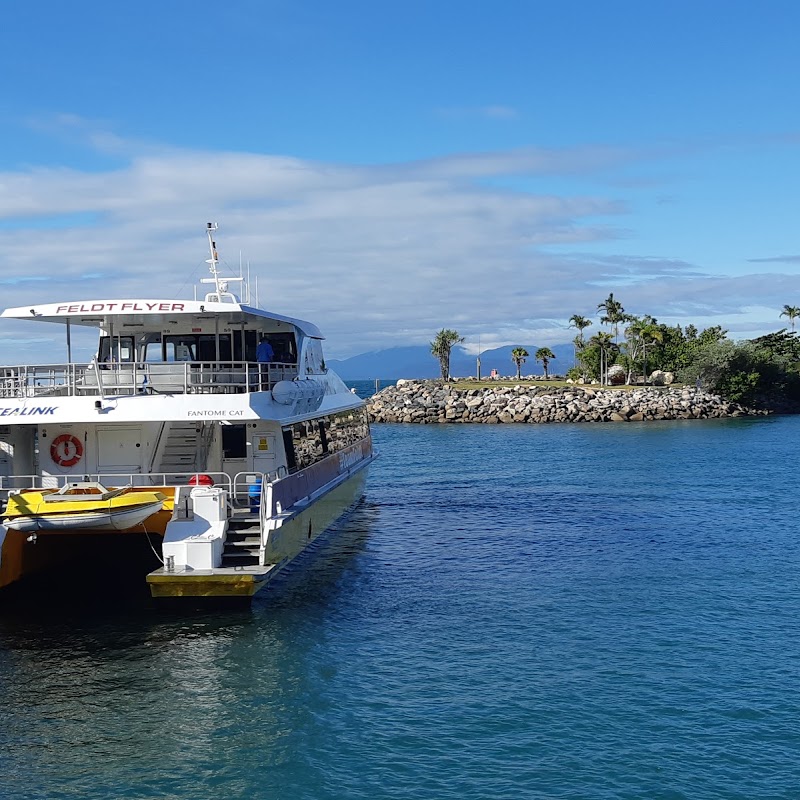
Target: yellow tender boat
{"x": 80, "y": 506}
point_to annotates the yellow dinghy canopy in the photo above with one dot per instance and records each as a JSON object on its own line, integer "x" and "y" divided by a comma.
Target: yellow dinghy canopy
{"x": 82, "y": 491}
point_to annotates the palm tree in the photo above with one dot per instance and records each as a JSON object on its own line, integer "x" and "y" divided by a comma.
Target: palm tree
{"x": 649, "y": 332}
{"x": 638, "y": 333}
{"x": 792, "y": 312}
{"x": 545, "y": 355}
{"x": 602, "y": 341}
{"x": 518, "y": 356}
{"x": 613, "y": 314}
{"x": 578, "y": 322}
{"x": 441, "y": 347}
{"x": 579, "y": 346}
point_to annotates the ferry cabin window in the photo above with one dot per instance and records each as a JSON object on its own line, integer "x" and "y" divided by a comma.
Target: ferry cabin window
{"x": 150, "y": 350}
{"x": 203, "y": 347}
{"x": 283, "y": 346}
{"x": 234, "y": 441}
{"x": 120, "y": 349}
{"x": 288, "y": 446}
{"x": 197, "y": 347}
{"x": 309, "y": 442}
{"x": 207, "y": 347}
{"x": 180, "y": 348}
{"x": 250, "y": 345}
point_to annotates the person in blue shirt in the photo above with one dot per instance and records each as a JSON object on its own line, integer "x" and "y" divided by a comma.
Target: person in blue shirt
{"x": 264, "y": 355}
{"x": 264, "y": 351}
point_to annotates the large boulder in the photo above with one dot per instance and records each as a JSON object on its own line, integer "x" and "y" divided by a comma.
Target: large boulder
{"x": 660, "y": 378}
{"x": 616, "y": 375}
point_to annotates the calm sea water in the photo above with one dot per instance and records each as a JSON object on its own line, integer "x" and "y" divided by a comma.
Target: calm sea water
{"x": 365, "y": 389}
{"x": 573, "y": 611}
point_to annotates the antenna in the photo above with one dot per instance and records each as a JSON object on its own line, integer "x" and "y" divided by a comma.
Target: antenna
{"x": 212, "y": 246}
{"x": 220, "y": 284}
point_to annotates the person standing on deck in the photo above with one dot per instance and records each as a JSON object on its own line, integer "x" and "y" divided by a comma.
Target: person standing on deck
{"x": 264, "y": 355}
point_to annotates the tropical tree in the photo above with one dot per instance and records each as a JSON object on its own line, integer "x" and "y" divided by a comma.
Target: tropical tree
{"x": 649, "y": 333}
{"x": 579, "y": 347}
{"x": 638, "y": 334}
{"x": 441, "y": 347}
{"x": 579, "y": 323}
{"x": 678, "y": 348}
{"x": 781, "y": 343}
{"x": 613, "y": 313}
{"x": 792, "y": 312}
{"x": 632, "y": 346}
{"x": 545, "y": 355}
{"x": 518, "y": 356}
{"x": 604, "y": 344}
{"x": 744, "y": 372}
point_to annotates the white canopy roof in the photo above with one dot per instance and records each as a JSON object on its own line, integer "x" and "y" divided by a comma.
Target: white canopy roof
{"x": 99, "y": 313}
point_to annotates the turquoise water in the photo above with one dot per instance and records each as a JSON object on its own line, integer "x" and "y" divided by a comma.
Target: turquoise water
{"x": 574, "y": 611}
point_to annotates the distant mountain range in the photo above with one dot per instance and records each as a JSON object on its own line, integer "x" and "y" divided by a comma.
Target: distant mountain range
{"x": 417, "y": 362}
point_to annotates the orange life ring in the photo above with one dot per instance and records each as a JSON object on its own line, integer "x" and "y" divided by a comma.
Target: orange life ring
{"x": 66, "y": 450}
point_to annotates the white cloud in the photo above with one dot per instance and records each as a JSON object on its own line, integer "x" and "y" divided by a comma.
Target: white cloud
{"x": 377, "y": 256}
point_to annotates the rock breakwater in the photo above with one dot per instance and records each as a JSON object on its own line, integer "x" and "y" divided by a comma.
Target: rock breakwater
{"x": 432, "y": 401}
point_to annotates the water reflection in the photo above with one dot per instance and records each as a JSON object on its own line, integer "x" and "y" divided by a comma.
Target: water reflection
{"x": 133, "y": 701}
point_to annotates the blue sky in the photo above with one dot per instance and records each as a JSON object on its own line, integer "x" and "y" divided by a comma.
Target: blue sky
{"x": 392, "y": 168}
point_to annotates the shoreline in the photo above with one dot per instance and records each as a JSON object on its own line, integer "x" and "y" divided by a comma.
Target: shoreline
{"x": 429, "y": 402}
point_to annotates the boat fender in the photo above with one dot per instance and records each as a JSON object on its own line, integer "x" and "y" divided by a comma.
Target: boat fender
{"x": 66, "y": 450}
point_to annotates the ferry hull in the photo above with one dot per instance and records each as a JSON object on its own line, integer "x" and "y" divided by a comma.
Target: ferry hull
{"x": 291, "y": 538}
{"x": 80, "y": 564}
{"x": 21, "y": 558}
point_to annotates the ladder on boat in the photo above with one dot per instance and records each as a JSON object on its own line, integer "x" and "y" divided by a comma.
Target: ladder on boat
{"x": 242, "y": 542}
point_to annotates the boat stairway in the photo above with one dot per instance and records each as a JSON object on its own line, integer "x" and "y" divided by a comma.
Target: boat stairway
{"x": 179, "y": 455}
{"x": 242, "y": 543}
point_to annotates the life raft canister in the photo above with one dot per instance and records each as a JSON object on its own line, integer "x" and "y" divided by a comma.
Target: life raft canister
{"x": 66, "y": 450}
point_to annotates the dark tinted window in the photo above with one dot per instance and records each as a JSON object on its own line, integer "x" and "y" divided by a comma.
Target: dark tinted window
{"x": 309, "y": 442}
{"x": 234, "y": 441}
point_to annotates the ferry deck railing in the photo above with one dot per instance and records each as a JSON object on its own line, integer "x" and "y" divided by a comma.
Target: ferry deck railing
{"x": 142, "y": 378}
{"x": 240, "y": 487}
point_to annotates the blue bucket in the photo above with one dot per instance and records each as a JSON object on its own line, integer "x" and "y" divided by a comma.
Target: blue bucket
{"x": 254, "y": 494}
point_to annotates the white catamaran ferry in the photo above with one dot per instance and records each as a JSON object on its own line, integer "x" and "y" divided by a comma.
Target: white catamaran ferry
{"x": 209, "y": 432}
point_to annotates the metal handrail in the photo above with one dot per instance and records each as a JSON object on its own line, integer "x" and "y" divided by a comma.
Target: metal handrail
{"x": 115, "y": 379}
{"x": 156, "y": 452}
{"x": 250, "y": 478}
{"x": 137, "y": 479}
